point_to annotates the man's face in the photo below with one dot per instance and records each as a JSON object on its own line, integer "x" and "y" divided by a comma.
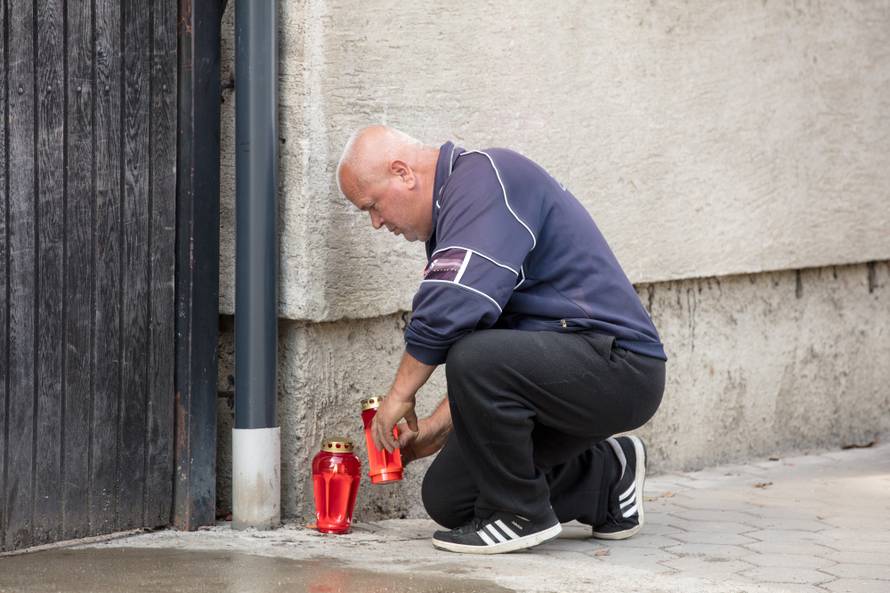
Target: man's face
{"x": 391, "y": 203}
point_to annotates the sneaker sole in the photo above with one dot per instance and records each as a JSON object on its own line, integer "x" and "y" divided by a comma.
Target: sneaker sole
{"x": 512, "y": 545}
{"x": 640, "y": 451}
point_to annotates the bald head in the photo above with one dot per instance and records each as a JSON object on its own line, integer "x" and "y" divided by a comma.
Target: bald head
{"x": 390, "y": 175}
{"x": 369, "y": 153}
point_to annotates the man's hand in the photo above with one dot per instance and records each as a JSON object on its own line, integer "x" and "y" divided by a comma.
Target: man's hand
{"x": 392, "y": 409}
{"x": 427, "y": 440}
{"x": 399, "y": 403}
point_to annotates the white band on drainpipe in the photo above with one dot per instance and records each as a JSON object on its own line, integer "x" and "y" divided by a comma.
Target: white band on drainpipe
{"x": 256, "y": 478}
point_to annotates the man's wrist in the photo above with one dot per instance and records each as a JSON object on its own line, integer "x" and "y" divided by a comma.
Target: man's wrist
{"x": 400, "y": 395}
{"x": 438, "y": 426}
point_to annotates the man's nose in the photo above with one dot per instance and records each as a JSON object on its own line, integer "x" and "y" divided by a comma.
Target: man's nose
{"x": 376, "y": 221}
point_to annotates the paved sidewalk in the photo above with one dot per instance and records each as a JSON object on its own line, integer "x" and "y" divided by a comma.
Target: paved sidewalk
{"x": 810, "y": 524}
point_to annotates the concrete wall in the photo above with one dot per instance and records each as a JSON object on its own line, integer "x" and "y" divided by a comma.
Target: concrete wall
{"x": 325, "y": 369}
{"x": 759, "y": 365}
{"x": 733, "y": 153}
{"x": 753, "y": 134}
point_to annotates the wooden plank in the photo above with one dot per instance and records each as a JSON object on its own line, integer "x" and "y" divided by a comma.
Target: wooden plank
{"x": 4, "y": 277}
{"x": 136, "y": 298}
{"x": 79, "y": 268}
{"x": 197, "y": 270}
{"x": 159, "y": 467}
{"x": 50, "y": 257}
{"x": 22, "y": 289}
{"x": 107, "y": 297}
{"x": 183, "y": 495}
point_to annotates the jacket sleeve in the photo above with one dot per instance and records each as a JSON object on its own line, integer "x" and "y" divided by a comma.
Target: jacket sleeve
{"x": 471, "y": 276}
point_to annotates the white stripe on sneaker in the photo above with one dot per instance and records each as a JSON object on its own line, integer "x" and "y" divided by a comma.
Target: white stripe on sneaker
{"x": 619, "y": 453}
{"x": 526, "y": 541}
{"x": 507, "y": 531}
{"x": 497, "y": 534}
{"x": 627, "y": 492}
{"x": 484, "y": 537}
{"x": 633, "y": 514}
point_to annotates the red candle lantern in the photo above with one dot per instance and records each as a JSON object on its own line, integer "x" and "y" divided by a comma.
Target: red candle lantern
{"x": 385, "y": 467}
{"x": 336, "y": 472}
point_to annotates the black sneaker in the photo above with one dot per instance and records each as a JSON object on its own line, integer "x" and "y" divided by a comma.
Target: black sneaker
{"x": 501, "y": 532}
{"x": 626, "y": 507}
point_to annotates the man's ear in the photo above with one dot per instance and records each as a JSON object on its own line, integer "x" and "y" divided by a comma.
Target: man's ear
{"x": 405, "y": 172}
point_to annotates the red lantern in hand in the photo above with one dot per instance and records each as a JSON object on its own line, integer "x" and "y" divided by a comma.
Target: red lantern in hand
{"x": 385, "y": 467}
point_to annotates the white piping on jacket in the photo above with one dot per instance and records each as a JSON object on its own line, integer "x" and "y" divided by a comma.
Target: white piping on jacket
{"x": 470, "y": 288}
{"x": 463, "y": 266}
{"x": 474, "y": 252}
{"x": 503, "y": 189}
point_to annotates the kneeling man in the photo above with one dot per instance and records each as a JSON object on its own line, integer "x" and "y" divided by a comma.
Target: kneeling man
{"x": 548, "y": 350}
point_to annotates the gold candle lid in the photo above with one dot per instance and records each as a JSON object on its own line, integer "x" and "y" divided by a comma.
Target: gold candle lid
{"x": 337, "y": 445}
{"x": 372, "y": 403}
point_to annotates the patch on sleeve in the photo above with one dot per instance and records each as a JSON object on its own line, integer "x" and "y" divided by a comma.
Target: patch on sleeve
{"x": 447, "y": 265}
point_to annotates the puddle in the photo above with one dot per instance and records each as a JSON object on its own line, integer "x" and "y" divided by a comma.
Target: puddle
{"x": 144, "y": 570}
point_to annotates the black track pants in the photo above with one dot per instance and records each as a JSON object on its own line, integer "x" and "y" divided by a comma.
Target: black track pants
{"x": 530, "y": 412}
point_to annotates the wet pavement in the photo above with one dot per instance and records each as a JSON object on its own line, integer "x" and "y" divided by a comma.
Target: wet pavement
{"x": 809, "y": 524}
{"x": 143, "y": 570}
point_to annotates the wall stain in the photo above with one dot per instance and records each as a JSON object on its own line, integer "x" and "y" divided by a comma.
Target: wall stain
{"x": 692, "y": 305}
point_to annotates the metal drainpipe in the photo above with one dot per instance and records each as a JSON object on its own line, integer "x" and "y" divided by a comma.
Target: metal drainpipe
{"x": 256, "y": 438}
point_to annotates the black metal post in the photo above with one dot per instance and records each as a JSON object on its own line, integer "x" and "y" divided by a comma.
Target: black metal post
{"x": 256, "y": 170}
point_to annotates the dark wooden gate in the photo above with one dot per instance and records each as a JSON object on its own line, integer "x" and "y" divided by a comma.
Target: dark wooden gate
{"x": 88, "y": 224}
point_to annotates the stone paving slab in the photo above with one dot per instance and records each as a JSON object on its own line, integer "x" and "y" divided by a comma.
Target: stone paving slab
{"x": 857, "y": 586}
{"x": 810, "y": 524}
{"x": 789, "y": 561}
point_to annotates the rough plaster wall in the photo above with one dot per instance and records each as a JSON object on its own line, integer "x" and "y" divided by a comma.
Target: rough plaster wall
{"x": 771, "y": 363}
{"x": 760, "y": 364}
{"x": 324, "y": 371}
{"x": 754, "y": 133}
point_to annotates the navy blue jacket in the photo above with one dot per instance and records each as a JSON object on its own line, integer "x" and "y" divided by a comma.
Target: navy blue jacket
{"x": 512, "y": 248}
